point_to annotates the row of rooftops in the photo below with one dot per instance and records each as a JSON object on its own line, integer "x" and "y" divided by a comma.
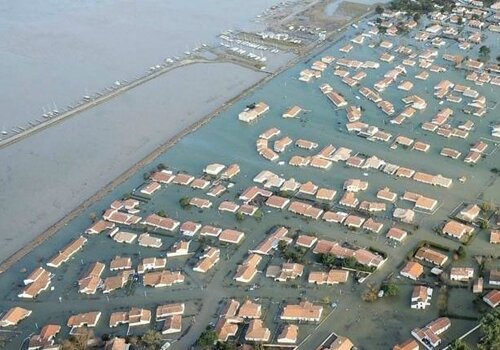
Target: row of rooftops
{"x": 234, "y": 314}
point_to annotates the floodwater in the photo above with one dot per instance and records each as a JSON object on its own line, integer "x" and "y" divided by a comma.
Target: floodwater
{"x": 333, "y": 6}
{"x": 58, "y": 51}
{"x": 46, "y": 175}
{"x": 226, "y": 140}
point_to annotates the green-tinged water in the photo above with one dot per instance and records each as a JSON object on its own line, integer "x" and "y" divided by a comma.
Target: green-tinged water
{"x": 226, "y": 140}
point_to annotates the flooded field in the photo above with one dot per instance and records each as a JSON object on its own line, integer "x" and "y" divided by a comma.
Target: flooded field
{"x": 226, "y": 140}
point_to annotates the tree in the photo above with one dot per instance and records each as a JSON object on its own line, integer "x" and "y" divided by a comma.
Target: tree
{"x": 391, "y": 289}
{"x": 416, "y": 17}
{"x": 207, "y": 339}
{"x": 484, "y": 224}
{"x": 327, "y": 259}
{"x": 239, "y": 216}
{"x": 458, "y": 344}
{"x": 490, "y": 327}
{"x": 370, "y": 294}
{"x": 461, "y": 252}
{"x": 152, "y": 339}
{"x": 226, "y": 346}
{"x": 184, "y": 202}
{"x": 484, "y": 53}
{"x": 379, "y": 9}
{"x": 93, "y": 216}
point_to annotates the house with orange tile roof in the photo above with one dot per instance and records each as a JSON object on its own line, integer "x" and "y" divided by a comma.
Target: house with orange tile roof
{"x": 231, "y": 236}
{"x": 335, "y": 342}
{"x": 217, "y": 190}
{"x": 257, "y": 332}
{"x": 349, "y": 200}
{"x": 118, "y": 281}
{"x": 248, "y": 269}
{"x": 120, "y": 263}
{"x": 172, "y": 324}
{"x": 372, "y": 207}
{"x": 492, "y": 298}
{"x": 211, "y": 231}
{"x": 372, "y": 225}
{"x": 354, "y": 221}
{"x": 225, "y": 329}
{"x": 334, "y": 276}
{"x": 13, "y": 316}
{"x": 179, "y": 248}
{"x": 432, "y": 256}
{"x": 150, "y": 188}
{"x": 45, "y": 339}
{"x": 430, "y": 334}
{"x": 201, "y": 203}
{"x": 285, "y": 272}
{"x": 200, "y": 184}
{"x": 293, "y": 112}
{"x": 228, "y": 206}
{"x": 163, "y": 176}
{"x": 208, "y": 260}
{"x": 152, "y": 263}
{"x": 68, "y": 251}
{"x": 495, "y": 236}
{"x": 410, "y": 344}
{"x": 396, "y": 234}
{"x": 100, "y": 226}
{"x": 461, "y": 273}
{"x": 412, "y": 270}
{"x": 92, "y": 280}
{"x": 183, "y": 179}
{"x": 250, "y": 310}
{"x": 146, "y": 240}
{"x": 123, "y": 237}
{"x": 89, "y": 319}
{"x": 277, "y": 202}
{"x": 189, "y": 228}
{"x": 304, "y": 311}
{"x": 271, "y": 241}
{"x": 230, "y": 172}
{"x": 337, "y": 217}
{"x": 160, "y": 222}
{"x": 252, "y": 112}
{"x": 167, "y": 310}
{"x": 306, "y": 241}
{"x": 421, "y": 297}
{"x": 456, "y": 229}
{"x": 469, "y": 213}
{"x": 134, "y": 317}
{"x": 163, "y": 278}
{"x": 288, "y": 334}
{"x": 38, "y": 281}
{"x": 118, "y": 217}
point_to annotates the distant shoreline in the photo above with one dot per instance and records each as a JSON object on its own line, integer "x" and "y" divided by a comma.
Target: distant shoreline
{"x": 151, "y": 157}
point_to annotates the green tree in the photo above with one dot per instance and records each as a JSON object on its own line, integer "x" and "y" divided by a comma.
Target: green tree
{"x": 391, "y": 289}
{"x": 490, "y": 327}
{"x": 184, "y": 202}
{"x": 152, "y": 339}
{"x": 379, "y": 9}
{"x": 239, "y": 216}
{"x": 207, "y": 339}
{"x": 370, "y": 294}
{"x": 416, "y": 17}
{"x": 226, "y": 346}
{"x": 461, "y": 252}
{"x": 484, "y": 53}
{"x": 458, "y": 344}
